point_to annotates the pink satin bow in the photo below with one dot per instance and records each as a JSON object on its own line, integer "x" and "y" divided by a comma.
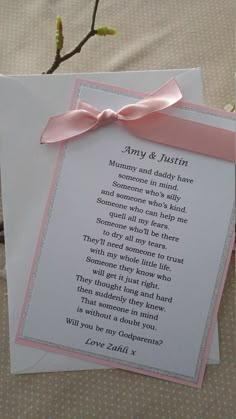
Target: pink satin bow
{"x": 86, "y": 118}
{"x": 144, "y": 119}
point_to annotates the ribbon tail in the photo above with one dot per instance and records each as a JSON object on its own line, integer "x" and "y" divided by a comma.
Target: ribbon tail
{"x": 184, "y": 134}
{"x": 68, "y": 126}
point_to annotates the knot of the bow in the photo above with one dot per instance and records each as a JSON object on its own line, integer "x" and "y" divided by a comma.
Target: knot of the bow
{"x": 106, "y": 116}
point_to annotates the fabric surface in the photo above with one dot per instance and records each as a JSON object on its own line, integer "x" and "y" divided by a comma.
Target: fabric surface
{"x": 153, "y": 34}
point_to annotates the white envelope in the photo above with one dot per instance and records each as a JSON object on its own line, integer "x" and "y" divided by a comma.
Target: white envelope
{"x": 26, "y": 103}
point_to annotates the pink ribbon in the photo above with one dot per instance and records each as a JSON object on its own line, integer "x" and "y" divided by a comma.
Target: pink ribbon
{"x": 144, "y": 119}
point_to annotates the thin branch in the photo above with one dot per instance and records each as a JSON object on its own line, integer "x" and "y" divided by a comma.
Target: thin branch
{"x": 78, "y": 48}
{"x": 94, "y": 14}
{"x": 55, "y": 63}
{"x": 60, "y": 59}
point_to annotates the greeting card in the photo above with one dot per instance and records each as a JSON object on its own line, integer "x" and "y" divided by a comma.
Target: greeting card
{"x": 137, "y": 232}
{"x": 35, "y": 98}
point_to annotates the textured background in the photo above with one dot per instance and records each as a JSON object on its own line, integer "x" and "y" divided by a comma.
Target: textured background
{"x": 154, "y": 34}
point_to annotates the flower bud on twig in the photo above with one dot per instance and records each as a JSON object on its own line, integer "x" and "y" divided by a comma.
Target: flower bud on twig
{"x": 59, "y": 38}
{"x": 105, "y": 30}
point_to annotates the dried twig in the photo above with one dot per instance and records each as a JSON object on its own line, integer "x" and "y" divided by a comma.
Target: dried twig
{"x": 60, "y": 59}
